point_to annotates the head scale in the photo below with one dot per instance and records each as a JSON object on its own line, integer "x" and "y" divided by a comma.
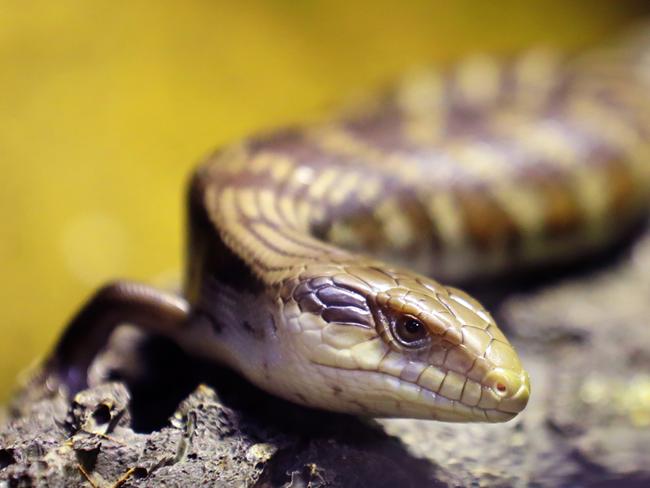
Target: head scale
{"x": 386, "y": 342}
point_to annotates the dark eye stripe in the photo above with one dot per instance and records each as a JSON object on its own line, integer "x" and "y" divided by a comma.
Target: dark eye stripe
{"x": 337, "y": 297}
{"x": 310, "y": 303}
{"x": 347, "y": 315}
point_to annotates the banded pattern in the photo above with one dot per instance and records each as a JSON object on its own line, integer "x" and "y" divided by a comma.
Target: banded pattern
{"x": 474, "y": 170}
{"x": 535, "y": 170}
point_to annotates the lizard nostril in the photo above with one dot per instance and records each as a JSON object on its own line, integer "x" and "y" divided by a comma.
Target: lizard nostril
{"x": 502, "y": 382}
{"x": 512, "y": 388}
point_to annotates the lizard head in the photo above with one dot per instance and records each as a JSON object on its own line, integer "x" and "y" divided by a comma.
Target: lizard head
{"x": 385, "y": 342}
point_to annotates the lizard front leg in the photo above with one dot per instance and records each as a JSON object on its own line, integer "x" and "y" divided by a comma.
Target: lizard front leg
{"x": 116, "y": 303}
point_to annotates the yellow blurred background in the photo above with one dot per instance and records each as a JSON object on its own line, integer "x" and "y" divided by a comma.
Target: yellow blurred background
{"x": 105, "y": 106}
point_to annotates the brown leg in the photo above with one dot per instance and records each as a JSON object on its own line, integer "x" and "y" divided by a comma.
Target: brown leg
{"x": 88, "y": 332}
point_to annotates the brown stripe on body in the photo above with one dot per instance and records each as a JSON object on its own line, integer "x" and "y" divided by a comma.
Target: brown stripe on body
{"x": 336, "y": 183}
{"x": 488, "y": 226}
{"x": 382, "y": 130}
{"x": 562, "y": 215}
{"x": 398, "y": 227}
{"x": 623, "y": 190}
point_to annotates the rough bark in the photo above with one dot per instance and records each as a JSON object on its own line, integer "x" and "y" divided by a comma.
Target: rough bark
{"x": 585, "y": 339}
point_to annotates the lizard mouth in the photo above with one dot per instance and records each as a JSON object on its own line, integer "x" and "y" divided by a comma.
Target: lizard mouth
{"x": 385, "y": 395}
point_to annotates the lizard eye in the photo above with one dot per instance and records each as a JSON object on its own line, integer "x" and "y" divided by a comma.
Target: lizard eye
{"x": 410, "y": 332}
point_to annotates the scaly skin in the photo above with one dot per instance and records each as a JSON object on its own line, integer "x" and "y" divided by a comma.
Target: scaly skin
{"x": 485, "y": 168}
{"x": 315, "y": 324}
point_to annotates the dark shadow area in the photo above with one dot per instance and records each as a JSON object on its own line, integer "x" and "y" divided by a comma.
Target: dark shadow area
{"x": 170, "y": 376}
